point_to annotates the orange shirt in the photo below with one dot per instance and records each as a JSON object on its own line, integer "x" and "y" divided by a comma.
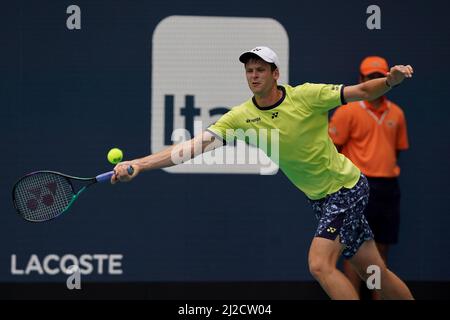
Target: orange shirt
{"x": 370, "y": 137}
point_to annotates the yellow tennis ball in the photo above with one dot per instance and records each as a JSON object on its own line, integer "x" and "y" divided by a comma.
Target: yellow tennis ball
{"x": 115, "y": 155}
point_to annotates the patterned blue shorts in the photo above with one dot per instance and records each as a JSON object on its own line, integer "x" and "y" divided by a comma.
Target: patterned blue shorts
{"x": 342, "y": 213}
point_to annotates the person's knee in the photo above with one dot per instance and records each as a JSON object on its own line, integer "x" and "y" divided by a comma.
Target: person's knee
{"x": 367, "y": 271}
{"x": 319, "y": 267}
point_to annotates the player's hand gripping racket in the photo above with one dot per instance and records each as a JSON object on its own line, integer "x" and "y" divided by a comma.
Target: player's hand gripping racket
{"x": 44, "y": 195}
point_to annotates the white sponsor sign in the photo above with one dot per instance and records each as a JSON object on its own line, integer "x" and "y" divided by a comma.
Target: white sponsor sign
{"x": 197, "y": 77}
{"x": 53, "y": 264}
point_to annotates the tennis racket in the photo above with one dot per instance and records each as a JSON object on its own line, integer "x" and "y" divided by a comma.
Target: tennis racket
{"x": 44, "y": 195}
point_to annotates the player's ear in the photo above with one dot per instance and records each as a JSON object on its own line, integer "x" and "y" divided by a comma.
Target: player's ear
{"x": 276, "y": 74}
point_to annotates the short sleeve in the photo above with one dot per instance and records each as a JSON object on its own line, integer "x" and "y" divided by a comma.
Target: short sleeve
{"x": 321, "y": 97}
{"x": 340, "y": 126}
{"x": 225, "y": 122}
{"x": 402, "y": 134}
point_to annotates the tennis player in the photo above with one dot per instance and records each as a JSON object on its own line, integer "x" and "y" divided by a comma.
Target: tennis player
{"x": 336, "y": 189}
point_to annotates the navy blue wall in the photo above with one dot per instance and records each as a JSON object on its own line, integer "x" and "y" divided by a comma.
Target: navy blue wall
{"x": 66, "y": 97}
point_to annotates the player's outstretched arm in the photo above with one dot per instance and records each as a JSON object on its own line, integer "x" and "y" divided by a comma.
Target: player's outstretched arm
{"x": 168, "y": 157}
{"x": 372, "y": 89}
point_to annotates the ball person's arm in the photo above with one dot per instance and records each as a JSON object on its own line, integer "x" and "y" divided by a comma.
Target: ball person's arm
{"x": 168, "y": 157}
{"x": 372, "y": 89}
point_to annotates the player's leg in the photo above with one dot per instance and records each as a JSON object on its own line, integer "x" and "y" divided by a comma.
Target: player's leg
{"x": 339, "y": 230}
{"x": 377, "y": 224}
{"x": 383, "y": 249}
{"x": 352, "y": 275}
{"x": 322, "y": 259}
{"x": 392, "y": 287}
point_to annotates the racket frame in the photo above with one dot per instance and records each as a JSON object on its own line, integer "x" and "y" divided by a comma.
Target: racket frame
{"x": 68, "y": 178}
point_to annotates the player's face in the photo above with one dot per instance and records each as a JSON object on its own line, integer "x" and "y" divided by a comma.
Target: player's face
{"x": 260, "y": 77}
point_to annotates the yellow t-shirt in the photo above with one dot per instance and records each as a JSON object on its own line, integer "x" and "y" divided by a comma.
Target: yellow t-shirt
{"x": 307, "y": 156}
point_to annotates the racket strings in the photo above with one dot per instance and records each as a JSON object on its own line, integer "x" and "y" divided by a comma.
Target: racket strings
{"x": 42, "y": 196}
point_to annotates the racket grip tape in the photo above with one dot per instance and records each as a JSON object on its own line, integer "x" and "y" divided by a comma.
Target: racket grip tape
{"x": 104, "y": 177}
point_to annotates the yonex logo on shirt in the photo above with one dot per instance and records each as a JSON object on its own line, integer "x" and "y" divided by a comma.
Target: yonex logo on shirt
{"x": 335, "y": 87}
{"x": 274, "y": 115}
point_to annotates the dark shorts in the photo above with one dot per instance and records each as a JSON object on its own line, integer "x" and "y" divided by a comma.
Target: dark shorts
{"x": 383, "y": 210}
{"x": 341, "y": 214}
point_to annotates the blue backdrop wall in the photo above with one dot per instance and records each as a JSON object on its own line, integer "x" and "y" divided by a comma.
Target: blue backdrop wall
{"x": 67, "y": 96}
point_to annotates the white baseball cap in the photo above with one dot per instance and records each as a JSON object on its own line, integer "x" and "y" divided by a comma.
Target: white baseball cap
{"x": 264, "y": 53}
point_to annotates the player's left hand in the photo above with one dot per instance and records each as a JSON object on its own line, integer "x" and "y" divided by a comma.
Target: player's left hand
{"x": 398, "y": 73}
